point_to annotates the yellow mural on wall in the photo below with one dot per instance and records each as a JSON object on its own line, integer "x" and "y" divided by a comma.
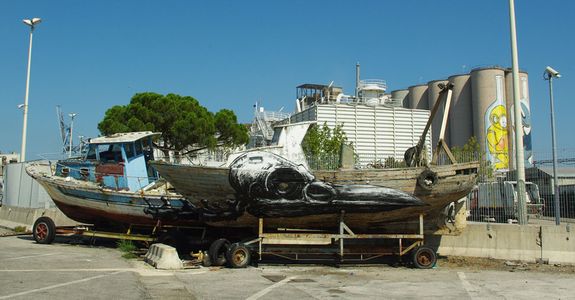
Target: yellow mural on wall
{"x": 497, "y": 141}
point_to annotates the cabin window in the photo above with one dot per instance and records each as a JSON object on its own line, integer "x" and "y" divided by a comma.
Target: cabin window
{"x": 129, "y": 148}
{"x": 147, "y": 148}
{"x": 110, "y": 153}
{"x": 91, "y": 152}
{"x": 139, "y": 149}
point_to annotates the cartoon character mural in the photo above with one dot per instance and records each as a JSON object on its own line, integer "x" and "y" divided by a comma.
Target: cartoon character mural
{"x": 496, "y": 137}
{"x": 497, "y": 142}
{"x": 526, "y": 121}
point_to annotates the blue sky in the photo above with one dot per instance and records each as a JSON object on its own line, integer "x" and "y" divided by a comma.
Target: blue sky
{"x": 91, "y": 55}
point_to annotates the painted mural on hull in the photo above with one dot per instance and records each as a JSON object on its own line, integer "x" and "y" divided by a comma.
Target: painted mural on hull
{"x": 496, "y": 133}
{"x": 267, "y": 185}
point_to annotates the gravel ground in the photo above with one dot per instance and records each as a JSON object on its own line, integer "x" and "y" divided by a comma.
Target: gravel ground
{"x": 6, "y": 232}
{"x": 478, "y": 264}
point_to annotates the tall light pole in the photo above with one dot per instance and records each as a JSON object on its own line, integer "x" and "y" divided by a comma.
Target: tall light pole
{"x": 549, "y": 74}
{"x": 519, "y": 158}
{"x": 32, "y": 23}
{"x": 72, "y": 115}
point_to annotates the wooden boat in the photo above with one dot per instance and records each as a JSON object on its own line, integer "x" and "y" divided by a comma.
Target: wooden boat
{"x": 111, "y": 186}
{"x": 263, "y": 185}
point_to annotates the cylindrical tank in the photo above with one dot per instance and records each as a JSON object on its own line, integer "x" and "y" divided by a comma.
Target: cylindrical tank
{"x": 400, "y": 96}
{"x": 432, "y": 97}
{"x": 525, "y": 115}
{"x": 490, "y": 122}
{"x": 461, "y": 113}
{"x": 418, "y": 96}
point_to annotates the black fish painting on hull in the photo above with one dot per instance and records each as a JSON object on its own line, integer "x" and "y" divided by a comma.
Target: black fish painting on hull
{"x": 268, "y": 185}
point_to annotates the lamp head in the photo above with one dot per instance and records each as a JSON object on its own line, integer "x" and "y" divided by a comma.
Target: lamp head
{"x": 552, "y": 72}
{"x": 32, "y": 22}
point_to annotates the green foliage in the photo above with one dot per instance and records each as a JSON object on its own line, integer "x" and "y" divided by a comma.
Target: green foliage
{"x": 472, "y": 151}
{"x": 128, "y": 247}
{"x": 391, "y": 162}
{"x": 20, "y": 229}
{"x": 322, "y": 146}
{"x": 323, "y": 141}
{"x": 182, "y": 121}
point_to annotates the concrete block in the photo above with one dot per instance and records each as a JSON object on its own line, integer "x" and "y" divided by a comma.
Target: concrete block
{"x": 163, "y": 257}
{"x": 512, "y": 242}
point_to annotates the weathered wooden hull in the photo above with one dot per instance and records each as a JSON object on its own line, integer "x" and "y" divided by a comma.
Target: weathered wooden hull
{"x": 208, "y": 185}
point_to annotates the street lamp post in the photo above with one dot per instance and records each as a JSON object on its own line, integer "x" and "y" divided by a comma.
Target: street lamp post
{"x": 32, "y": 23}
{"x": 72, "y": 115}
{"x": 549, "y": 74}
{"x": 519, "y": 157}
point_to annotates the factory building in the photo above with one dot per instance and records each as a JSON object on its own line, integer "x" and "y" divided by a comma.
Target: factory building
{"x": 374, "y": 122}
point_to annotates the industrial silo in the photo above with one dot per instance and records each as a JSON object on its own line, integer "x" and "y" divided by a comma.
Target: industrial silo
{"x": 400, "y": 96}
{"x": 461, "y": 113}
{"x": 432, "y": 97}
{"x": 525, "y": 115}
{"x": 418, "y": 96}
{"x": 490, "y": 122}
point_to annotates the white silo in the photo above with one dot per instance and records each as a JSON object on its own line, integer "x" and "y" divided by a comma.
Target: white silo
{"x": 401, "y": 96}
{"x": 525, "y": 115}
{"x": 490, "y": 122}
{"x": 433, "y": 91}
{"x": 461, "y": 113}
{"x": 418, "y": 96}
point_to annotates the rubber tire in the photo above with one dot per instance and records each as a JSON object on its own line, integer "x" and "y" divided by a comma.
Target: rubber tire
{"x": 217, "y": 252}
{"x": 424, "y": 177}
{"x": 48, "y": 228}
{"x": 424, "y": 257}
{"x": 238, "y": 256}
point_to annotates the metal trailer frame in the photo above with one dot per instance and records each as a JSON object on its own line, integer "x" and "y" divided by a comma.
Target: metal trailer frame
{"x": 89, "y": 231}
{"x": 285, "y": 242}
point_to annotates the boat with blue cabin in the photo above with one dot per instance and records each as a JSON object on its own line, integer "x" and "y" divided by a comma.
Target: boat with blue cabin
{"x": 112, "y": 185}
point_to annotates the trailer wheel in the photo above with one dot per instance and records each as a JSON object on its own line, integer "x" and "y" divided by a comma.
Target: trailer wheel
{"x": 427, "y": 179}
{"x": 218, "y": 250}
{"x": 44, "y": 230}
{"x": 238, "y": 256}
{"x": 424, "y": 257}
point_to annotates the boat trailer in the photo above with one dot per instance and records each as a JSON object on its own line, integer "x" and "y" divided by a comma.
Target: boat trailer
{"x": 343, "y": 246}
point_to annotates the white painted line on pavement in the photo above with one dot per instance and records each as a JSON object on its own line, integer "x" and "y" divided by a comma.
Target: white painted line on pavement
{"x": 469, "y": 288}
{"x": 70, "y": 270}
{"x": 269, "y": 288}
{"x": 58, "y": 285}
{"x": 29, "y": 256}
{"x": 141, "y": 272}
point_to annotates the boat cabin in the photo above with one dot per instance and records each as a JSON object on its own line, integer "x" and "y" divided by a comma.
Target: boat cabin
{"x": 119, "y": 161}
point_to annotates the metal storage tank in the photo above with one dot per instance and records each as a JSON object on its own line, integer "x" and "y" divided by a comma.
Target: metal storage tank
{"x": 418, "y": 96}
{"x": 461, "y": 113}
{"x": 490, "y": 120}
{"x": 432, "y": 96}
{"x": 525, "y": 114}
{"x": 401, "y": 96}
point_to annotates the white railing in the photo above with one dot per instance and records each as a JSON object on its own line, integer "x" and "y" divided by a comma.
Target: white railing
{"x": 379, "y": 83}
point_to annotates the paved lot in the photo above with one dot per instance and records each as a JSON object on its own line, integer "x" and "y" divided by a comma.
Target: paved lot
{"x": 66, "y": 271}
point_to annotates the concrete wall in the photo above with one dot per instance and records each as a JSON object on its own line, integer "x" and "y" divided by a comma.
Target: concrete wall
{"x": 512, "y": 242}
{"x": 12, "y": 217}
{"x": 21, "y": 190}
